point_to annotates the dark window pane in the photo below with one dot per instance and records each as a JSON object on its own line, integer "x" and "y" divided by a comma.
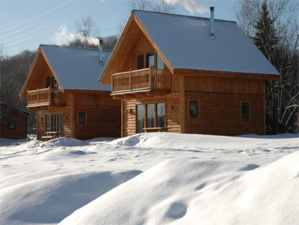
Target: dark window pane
{"x": 140, "y": 119}
{"x": 11, "y": 124}
{"x": 140, "y": 62}
{"x": 245, "y": 110}
{"x": 161, "y": 114}
{"x": 160, "y": 63}
{"x": 193, "y": 109}
{"x": 82, "y": 117}
{"x": 59, "y": 122}
{"x": 53, "y": 122}
{"x": 48, "y": 123}
{"x": 150, "y": 60}
{"x": 48, "y": 82}
{"x": 150, "y": 115}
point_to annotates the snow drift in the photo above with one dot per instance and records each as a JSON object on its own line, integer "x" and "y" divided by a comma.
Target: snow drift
{"x": 188, "y": 191}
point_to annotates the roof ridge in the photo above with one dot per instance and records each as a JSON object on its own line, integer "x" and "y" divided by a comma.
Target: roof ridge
{"x": 180, "y": 15}
{"x": 74, "y": 47}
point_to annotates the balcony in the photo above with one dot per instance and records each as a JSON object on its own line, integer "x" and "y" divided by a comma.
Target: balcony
{"x": 44, "y": 97}
{"x": 144, "y": 80}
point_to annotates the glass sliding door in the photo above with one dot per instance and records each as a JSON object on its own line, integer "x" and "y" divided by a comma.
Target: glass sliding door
{"x": 160, "y": 114}
{"x": 150, "y": 115}
{"x": 48, "y": 122}
{"x": 59, "y": 122}
{"x": 139, "y": 118}
{"x": 53, "y": 122}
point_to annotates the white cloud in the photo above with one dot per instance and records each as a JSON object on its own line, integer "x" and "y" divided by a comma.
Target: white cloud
{"x": 63, "y": 36}
{"x": 191, "y": 6}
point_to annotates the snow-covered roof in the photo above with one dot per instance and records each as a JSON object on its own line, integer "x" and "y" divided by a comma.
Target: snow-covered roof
{"x": 77, "y": 68}
{"x": 186, "y": 44}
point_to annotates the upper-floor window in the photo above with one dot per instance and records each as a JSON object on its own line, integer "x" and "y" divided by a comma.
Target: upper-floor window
{"x": 52, "y": 83}
{"x": 151, "y": 60}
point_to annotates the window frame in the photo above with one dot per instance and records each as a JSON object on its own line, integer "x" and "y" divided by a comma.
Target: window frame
{"x": 85, "y": 118}
{"x": 197, "y": 109}
{"x": 12, "y": 125}
{"x": 241, "y": 109}
{"x": 57, "y": 125}
{"x": 145, "y": 125}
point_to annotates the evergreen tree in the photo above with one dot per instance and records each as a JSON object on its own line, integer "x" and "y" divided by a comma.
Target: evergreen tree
{"x": 265, "y": 37}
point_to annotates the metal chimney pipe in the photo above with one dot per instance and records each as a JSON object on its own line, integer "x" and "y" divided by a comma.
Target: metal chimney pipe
{"x": 100, "y": 52}
{"x": 212, "y": 21}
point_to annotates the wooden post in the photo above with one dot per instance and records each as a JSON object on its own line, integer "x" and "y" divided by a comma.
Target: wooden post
{"x": 150, "y": 78}
{"x": 38, "y": 95}
{"x": 112, "y": 89}
{"x": 49, "y": 96}
{"x": 130, "y": 80}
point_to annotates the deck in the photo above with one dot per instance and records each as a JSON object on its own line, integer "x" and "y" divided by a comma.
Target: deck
{"x": 44, "y": 97}
{"x": 144, "y": 80}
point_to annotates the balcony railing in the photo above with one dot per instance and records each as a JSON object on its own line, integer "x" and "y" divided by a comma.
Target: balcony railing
{"x": 43, "y": 97}
{"x": 140, "y": 81}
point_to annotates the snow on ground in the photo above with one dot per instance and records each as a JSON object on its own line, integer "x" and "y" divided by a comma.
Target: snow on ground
{"x": 154, "y": 178}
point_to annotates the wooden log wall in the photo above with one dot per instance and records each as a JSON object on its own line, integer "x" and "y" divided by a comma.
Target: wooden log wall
{"x": 10, "y": 115}
{"x": 102, "y": 115}
{"x": 219, "y": 106}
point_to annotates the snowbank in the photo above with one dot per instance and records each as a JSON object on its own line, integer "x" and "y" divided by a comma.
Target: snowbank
{"x": 188, "y": 191}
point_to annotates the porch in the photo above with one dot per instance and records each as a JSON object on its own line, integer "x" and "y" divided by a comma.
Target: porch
{"x": 138, "y": 81}
{"x": 44, "y": 97}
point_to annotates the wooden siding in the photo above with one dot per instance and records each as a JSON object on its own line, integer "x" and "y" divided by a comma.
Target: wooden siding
{"x": 224, "y": 85}
{"x": 220, "y": 114}
{"x": 102, "y": 115}
{"x": 11, "y": 115}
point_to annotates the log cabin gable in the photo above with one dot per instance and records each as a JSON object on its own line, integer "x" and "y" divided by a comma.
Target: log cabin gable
{"x": 133, "y": 41}
{"x": 41, "y": 76}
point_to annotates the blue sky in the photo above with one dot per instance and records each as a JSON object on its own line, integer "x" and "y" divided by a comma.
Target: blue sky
{"x": 25, "y": 24}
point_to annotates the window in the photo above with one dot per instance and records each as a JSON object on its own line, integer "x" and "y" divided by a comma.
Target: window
{"x": 160, "y": 114}
{"x": 160, "y": 63}
{"x": 193, "y": 108}
{"x": 52, "y": 83}
{"x": 82, "y": 117}
{"x": 48, "y": 122}
{"x": 150, "y": 115}
{"x": 59, "y": 122}
{"x": 53, "y": 122}
{"x": 11, "y": 124}
{"x": 150, "y": 60}
{"x": 245, "y": 110}
{"x": 139, "y": 118}
{"x": 154, "y": 114}
{"x": 140, "y": 62}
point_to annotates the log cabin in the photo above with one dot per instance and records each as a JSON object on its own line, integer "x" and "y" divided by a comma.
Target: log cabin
{"x": 13, "y": 122}
{"x": 62, "y": 87}
{"x": 187, "y": 74}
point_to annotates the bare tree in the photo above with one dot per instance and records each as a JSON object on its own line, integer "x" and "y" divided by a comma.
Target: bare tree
{"x": 13, "y": 73}
{"x": 86, "y": 26}
{"x": 140, "y": 4}
{"x": 159, "y": 6}
{"x": 281, "y": 96}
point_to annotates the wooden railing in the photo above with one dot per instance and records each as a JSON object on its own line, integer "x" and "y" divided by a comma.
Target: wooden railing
{"x": 141, "y": 80}
{"x": 46, "y": 96}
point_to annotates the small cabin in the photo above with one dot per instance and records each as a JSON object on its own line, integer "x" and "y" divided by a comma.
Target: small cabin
{"x": 187, "y": 74}
{"x": 62, "y": 87}
{"x": 13, "y": 122}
